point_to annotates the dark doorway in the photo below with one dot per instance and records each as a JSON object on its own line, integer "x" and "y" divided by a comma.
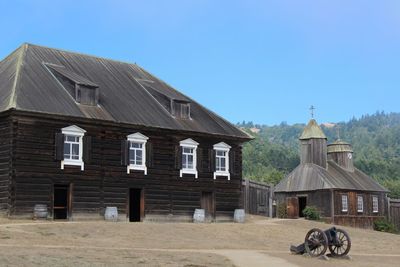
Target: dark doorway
{"x": 207, "y": 203}
{"x": 60, "y": 205}
{"x": 302, "y": 205}
{"x": 135, "y": 204}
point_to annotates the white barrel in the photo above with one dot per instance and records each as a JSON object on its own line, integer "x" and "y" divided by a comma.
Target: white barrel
{"x": 40, "y": 211}
{"x": 239, "y": 216}
{"x": 111, "y": 214}
{"x": 199, "y": 216}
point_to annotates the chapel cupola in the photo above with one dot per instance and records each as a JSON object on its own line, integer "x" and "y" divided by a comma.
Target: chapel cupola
{"x": 341, "y": 153}
{"x": 313, "y": 145}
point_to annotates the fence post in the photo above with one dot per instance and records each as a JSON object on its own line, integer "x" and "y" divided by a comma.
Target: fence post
{"x": 247, "y": 186}
{"x": 271, "y": 199}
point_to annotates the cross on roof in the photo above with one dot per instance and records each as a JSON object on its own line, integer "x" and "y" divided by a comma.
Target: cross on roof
{"x": 338, "y": 131}
{"x": 312, "y": 108}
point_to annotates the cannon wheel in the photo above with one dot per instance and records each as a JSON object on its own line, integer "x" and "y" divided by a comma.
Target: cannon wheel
{"x": 341, "y": 246}
{"x": 316, "y": 242}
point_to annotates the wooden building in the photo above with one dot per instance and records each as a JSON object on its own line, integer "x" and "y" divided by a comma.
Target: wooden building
{"x": 327, "y": 179}
{"x": 80, "y": 133}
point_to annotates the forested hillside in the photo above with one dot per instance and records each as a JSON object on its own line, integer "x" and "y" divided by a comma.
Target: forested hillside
{"x": 375, "y": 140}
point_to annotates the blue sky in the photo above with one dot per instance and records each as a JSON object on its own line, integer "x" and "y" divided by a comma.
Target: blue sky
{"x": 264, "y": 61}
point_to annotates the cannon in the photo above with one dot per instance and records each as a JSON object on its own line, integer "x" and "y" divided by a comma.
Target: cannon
{"x": 317, "y": 242}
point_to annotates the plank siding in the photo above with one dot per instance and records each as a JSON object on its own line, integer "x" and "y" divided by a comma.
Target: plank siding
{"x": 354, "y": 218}
{"x": 5, "y": 162}
{"x": 394, "y": 212}
{"x": 257, "y": 197}
{"x": 105, "y": 182}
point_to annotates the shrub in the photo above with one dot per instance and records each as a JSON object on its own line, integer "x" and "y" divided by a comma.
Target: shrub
{"x": 311, "y": 213}
{"x": 383, "y": 225}
{"x": 282, "y": 212}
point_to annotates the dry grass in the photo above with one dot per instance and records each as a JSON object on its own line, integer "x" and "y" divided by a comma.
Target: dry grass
{"x": 27, "y": 243}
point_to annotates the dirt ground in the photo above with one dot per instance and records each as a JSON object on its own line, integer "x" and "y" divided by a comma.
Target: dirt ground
{"x": 258, "y": 242}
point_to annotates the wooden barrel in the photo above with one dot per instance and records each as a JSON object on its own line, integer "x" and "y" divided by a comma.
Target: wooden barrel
{"x": 199, "y": 216}
{"x": 111, "y": 214}
{"x": 239, "y": 216}
{"x": 40, "y": 211}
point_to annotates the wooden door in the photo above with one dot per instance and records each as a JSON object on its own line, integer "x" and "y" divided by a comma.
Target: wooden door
{"x": 207, "y": 203}
{"x": 292, "y": 207}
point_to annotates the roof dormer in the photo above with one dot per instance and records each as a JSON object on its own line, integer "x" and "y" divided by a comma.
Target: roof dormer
{"x": 82, "y": 90}
{"x": 180, "y": 109}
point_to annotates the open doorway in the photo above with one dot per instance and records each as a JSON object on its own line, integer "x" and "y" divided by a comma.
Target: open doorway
{"x": 61, "y": 202}
{"x": 135, "y": 204}
{"x": 302, "y": 205}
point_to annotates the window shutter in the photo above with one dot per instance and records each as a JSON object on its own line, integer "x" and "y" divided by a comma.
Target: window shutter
{"x": 149, "y": 154}
{"x": 212, "y": 160}
{"x": 87, "y": 149}
{"x": 124, "y": 152}
{"x": 178, "y": 157}
{"x": 232, "y": 162}
{"x": 59, "y": 145}
{"x": 199, "y": 158}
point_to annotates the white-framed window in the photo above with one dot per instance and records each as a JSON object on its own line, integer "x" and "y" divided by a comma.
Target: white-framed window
{"x": 360, "y": 204}
{"x": 222, "y": 160}
{"x": 73, "y": 146}
{"x": 137, "y": 152}
{"x": 345, "y": 203}
{"x": 189, "y": 157}
{"x": 375, "y": 204}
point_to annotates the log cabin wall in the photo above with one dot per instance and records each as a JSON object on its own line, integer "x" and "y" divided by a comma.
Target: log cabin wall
{"x": 105, "y": 182}
{"x": 5, "y": 162}
{"x": 352, "y": 217}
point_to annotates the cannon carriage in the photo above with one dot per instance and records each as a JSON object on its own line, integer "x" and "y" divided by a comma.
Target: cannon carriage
{"x": 317, "y": 242}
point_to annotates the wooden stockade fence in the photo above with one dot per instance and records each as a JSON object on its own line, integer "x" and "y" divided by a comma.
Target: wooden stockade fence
{"x": 257, "y": 198}
{"x": 394, "y": 212}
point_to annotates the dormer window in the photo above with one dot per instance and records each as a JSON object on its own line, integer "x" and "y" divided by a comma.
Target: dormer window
{"x": 86, "y": 95}
{"x": 82, "y": 90}
{"x": 222, "y": 160}
{"x": 180, "y": 109}
{"x": 189, "y": 157}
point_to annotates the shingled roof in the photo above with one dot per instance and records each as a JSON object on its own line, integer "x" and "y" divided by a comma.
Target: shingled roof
{"x": 312, "y": 130}
{"x": 310, "y": 177}
{"x": 127, "y": 93}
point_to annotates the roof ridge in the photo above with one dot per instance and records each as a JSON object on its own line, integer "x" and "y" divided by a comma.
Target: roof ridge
{"x": 13, "y": 96}
{"x": 80, "y": 53}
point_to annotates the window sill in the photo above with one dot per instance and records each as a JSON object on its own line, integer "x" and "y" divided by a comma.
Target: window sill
{"x": 137, "y": 168}
{"x": 188, "y": 171}
{"x": 73, "y": 163}
{"x": 219, "y": 173}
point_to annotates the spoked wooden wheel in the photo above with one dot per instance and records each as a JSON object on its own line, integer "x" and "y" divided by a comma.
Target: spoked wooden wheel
{"x": 316, "y": 242}
{"x": 341, "y": 244}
